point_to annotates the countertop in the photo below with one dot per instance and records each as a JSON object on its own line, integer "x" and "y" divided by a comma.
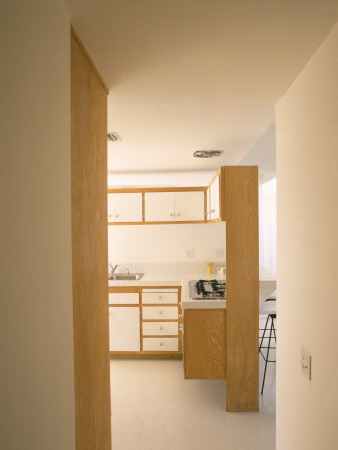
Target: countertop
{"x": 267, "y": 285}
{"x": 144, "y": 282}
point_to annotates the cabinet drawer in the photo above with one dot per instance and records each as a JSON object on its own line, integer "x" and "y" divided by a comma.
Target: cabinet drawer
{"x": 160, "y": 312}
{"x": 160, "y": 344}
{"x": 160, "y": 328}
{"x": 159, "y": 297}
{"x": 125, "y": 298}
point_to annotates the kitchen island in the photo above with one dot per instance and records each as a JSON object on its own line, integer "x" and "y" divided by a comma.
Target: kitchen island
{"x": 204, "y": 325}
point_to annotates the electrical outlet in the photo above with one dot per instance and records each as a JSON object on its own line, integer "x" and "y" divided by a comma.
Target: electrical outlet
{"x": 306, "y": 363}
{"x": 220, "y": 252}
{"x": 190, "y": 253}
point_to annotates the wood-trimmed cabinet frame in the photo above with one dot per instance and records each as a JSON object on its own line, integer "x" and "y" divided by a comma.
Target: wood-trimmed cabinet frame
{"x": 143, "y": 191}
{"x": 150, "y": 354}
{"x": 221, "y": 208}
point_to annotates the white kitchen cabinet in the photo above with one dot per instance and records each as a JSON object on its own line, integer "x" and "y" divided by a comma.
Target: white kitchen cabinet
{"x": 189, "y": 206}
{"x": 160, "y": 312}
{"x": 156, "y": 330}
{"x": 213, "y": 200}
{"x": 159, "y": 206}
{"x": 179, "y": 206}
{"x": 124, "y": 329}
{"x": 125, "y": 207}
{"x": 160, "y": 328}
{"x": 155, "y": 296}
{"x": 124, "y": 298}
{"x": 161, "y": 344}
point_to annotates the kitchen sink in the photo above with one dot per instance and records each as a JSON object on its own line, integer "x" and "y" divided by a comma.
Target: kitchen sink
{"x": 125, "y": 276}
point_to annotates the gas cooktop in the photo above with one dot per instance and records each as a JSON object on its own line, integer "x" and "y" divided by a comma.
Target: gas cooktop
{"x": 207, "y": 289}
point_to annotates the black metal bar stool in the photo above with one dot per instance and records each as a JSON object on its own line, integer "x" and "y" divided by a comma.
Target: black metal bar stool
{"x": 271, "y": 331}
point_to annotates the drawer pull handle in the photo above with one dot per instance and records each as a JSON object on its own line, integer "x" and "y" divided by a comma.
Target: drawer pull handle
{"x": 180, "y": 315}
{"x": 160, "y": 328}
{"x": 161, "y": 344}
{"x": 159, "y": 297}
{"x": 159, "y": 312}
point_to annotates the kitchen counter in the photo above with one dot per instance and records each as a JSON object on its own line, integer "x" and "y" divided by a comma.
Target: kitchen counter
{"x": 144, "y": 282}
{"x": 267, "y": 285}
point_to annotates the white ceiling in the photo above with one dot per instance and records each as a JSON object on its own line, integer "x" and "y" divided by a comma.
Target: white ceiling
{"x": 186, "y": 75}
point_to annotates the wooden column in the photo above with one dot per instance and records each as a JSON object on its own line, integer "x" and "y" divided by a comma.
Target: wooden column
{"x": 89, "y": 249}
{"x": 240, "y": 194}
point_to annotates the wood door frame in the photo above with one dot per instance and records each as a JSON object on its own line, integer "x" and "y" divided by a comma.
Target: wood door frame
{"x": 89, "y": 251}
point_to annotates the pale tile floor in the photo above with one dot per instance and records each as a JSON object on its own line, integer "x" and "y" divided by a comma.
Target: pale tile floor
{"x": 153, "y": 407}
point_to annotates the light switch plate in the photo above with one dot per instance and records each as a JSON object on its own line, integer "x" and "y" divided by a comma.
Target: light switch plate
{"x": 306, "y": 363}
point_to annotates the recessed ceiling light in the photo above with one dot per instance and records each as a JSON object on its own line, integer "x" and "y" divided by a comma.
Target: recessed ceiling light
{"x": 113, "y": 136}
{"x": 207, "y": 153}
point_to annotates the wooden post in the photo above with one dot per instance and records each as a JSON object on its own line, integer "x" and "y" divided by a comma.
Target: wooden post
{"x": 89, "y": 252}
{"x": 240, "y": 197}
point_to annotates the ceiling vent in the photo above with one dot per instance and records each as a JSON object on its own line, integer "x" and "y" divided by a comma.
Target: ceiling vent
{"x": 207, "y": 153}
{"x": 113, "y": 137}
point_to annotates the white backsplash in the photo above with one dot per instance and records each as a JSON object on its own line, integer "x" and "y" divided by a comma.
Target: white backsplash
{"x": 168, "y": 269}
{"x": 180, "y": 272}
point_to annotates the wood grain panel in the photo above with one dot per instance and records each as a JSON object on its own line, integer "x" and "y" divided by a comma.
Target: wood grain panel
{"x": 89, "y": 252}
{"x": 241, "y": 205}
{"x": 204, "y": 344}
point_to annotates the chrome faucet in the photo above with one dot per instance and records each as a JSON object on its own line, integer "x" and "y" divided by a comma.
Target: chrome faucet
{"x": 113, "y": 268}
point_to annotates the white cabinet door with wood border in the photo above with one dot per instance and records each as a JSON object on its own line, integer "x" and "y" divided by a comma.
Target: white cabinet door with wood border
{"x": 208, "y": 212}
{"x": 214, "y": 200}
{"x": 124, "y": 298}
{"x": 217, "y": 212}
{"x": 160, "y": 344}
{"x": 160, "y": 312}
{"x": 125, "y": 207}
{"x": 159, "y": 206}
{"x": 189, "y": 206}
{"x": 159, "y": 296}
{"x": 160, "y": 328}
{"x": 144, "y": 322}
{"x": 213, "y": 208}
{"x": 124, "y": 329}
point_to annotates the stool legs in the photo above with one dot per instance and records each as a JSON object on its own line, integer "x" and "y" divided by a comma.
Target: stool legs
{"x": 272, "y": 330}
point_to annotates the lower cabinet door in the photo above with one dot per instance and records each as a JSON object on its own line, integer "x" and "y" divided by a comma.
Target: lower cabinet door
{"x": 160, "y": 328}
{"x": 124, "y": 328}
{"x": 160, "y": 344}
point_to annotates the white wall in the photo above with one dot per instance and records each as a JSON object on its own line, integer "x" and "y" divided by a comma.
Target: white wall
{"x": 263, "y": 153}
{"x": 166, "y": 243}
{"x": 159, "y": 179}
{"x": 307, "y": 162}
{"x": 36, "y": 333}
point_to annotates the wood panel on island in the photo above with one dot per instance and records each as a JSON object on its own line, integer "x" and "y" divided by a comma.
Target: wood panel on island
{"x": 145, "y": 322}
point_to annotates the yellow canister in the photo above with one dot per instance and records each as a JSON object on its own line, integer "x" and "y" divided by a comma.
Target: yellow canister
{"x": 210, "y": 267}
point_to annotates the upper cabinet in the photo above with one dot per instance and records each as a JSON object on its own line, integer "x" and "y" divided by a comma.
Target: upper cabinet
{"x": 124, "y": 207}
{"x": 178, "y": 206}
{"x": 213, "y": 199}
{"x": 142, "y": 206}
{"x": 159, "y": 206}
